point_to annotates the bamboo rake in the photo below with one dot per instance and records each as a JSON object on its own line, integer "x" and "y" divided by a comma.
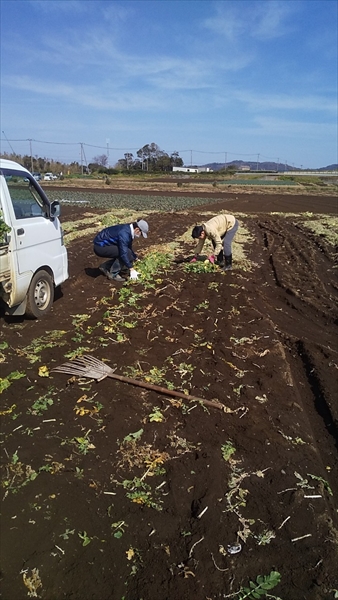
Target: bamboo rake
{"x": 93, "y": 368}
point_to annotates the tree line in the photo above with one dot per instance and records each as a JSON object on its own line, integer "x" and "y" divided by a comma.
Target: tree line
{"x": 149, "y": 158}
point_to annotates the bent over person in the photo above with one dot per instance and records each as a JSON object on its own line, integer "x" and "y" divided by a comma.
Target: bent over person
{"x": 115, "y": 243}
{"x": 220, "y": 231}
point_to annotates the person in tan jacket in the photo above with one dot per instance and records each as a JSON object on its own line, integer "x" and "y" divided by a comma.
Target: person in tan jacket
{"x": 220, "y": 230}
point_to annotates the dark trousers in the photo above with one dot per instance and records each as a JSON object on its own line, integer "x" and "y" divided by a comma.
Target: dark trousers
{"x": 107, "y": 251}
{"x": 228, "y": 238}
{"x": 112, "y": 252}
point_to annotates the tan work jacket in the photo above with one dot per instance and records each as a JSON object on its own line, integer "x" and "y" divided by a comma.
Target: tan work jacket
{"x": 215, "y": 230}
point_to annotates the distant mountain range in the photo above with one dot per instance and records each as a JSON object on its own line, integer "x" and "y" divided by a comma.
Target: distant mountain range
{"x": 264, "y": 166}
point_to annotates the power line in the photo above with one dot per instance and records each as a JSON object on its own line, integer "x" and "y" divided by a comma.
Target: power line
{"x": 8, "y": 142}
{"x": 128, "y": 149}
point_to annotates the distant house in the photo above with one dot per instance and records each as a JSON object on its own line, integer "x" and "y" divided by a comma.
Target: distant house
{"x": 192, "y": 169}
{"x": 244, "y": 168}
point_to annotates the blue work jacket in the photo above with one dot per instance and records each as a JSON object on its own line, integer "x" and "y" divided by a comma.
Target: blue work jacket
{"x": 120, "y": 236}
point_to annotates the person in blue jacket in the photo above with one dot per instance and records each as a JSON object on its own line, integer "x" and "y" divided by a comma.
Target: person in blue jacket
{"x": 115, "y": 243}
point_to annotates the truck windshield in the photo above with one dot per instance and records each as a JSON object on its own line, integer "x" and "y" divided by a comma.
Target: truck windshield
{"x": 26, "y": 200}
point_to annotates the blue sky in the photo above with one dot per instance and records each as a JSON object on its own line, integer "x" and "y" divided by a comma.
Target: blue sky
{"x": 213, "y": 80}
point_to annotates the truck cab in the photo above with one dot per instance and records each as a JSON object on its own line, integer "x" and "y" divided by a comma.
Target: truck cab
{"x": 33, "y": 258}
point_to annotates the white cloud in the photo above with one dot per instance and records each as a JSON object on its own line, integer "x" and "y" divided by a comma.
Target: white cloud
{"x": 286, "y": 102}
{"x": 115, "y": 13}
{"x": 87, "y": 96}
{"x": 271, "y": 19}
{"x": 287, "y": 128}
{"x": 237, "y": 21}
{"x": 65, "y": 6}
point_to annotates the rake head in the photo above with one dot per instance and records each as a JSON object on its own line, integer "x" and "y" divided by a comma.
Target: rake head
{"x": 86, "y": 366}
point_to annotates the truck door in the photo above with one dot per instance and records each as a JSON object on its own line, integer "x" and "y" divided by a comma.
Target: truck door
{"x": 37, "y": 237}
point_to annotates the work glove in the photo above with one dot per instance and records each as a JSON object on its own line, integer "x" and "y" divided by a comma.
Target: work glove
{"x": 193, "y": 259}
{"x": 211, "y": 258}
{"x": 134, "y": 274}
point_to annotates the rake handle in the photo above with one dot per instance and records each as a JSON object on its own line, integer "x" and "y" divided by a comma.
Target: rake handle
{"x": 166, "y": 391}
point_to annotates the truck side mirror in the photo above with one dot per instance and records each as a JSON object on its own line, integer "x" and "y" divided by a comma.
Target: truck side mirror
{"x": 55, "y": 209}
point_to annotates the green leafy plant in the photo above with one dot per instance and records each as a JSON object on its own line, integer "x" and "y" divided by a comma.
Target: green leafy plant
{"x": 41, "y": 405}
{"x": 303, "y": 483}
{"x": 227, "y": 450}
{"x": 5, "y": 382}
{"x": 152, "y": 265}
{"x": 33, "y": 351}
{"x": 140, "y": 492}
{"x": 85, "y": 538}
{"x": 15, "y": 458}
{"x": 202, "y": 305}
{"x": 78, "y": 352}
{"x": 156, "y": 375}
{"x": 323, "y": 482}
{"x": 132, "y": 437}
{"x": 83, "y": 443}
{"x": 200, "y": 266}
{"x": 4, "y": 229}
{"x": 265, "y": 537}
{"x": 156, "y": 416}
{"x": 79, "y": 320}
{"x": 18, "y": 475}
{"x": 67, "y": 533}
{"x": 118, "y": 529}
{"x": 79, "y": 473}
{"x": 260, "y": 587}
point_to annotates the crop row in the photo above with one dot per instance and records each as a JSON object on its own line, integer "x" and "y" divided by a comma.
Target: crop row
{"x": 132, "y": 201}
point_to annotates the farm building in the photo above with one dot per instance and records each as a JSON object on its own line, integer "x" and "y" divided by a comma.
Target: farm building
{"x": 192, "y": 169}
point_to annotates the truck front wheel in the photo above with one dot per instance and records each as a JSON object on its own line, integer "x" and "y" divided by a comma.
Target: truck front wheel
{"x": 40, "y": 295}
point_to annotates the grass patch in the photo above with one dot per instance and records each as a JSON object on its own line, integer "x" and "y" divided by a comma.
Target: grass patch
{"x": 33, "y": 351}
{"x": 325, "y": 227}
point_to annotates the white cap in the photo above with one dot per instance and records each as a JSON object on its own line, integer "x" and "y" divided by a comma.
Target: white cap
{"x": 144, "y": 227}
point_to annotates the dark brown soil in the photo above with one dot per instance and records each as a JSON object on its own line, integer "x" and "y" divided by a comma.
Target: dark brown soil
{"x": 261, "y": 342}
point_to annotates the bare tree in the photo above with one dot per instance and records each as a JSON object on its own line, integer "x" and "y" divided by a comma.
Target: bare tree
{"x": 101, "y": 160}
{"x": 129, "y": 158}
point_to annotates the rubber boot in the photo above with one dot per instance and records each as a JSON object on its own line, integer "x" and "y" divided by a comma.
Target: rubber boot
{"x": 114, "y": 271}
{"x": 105, "y": 267}
{"x": 123, "y": 270}
{"x": 220, "y": 259}
{"x": 115, "y": 267}
{"x": 228, "y": 263}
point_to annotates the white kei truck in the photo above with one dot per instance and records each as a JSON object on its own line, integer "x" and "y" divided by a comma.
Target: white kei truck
{"x": 33, "y": 257}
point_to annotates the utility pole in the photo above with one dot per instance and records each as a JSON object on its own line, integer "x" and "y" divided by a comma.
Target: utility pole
{"x": 107, "y": 141}
{"x": 277, "y": 165}
{"x": 191, "y": 158}
{"x": 30, "y": 146}
{"x": 81, "y": 144}
{"x": 257, "y": 162}
{"x": 225, "y": 159}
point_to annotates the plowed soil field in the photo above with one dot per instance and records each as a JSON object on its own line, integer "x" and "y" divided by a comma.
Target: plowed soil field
{"x": 112, "y": 491}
